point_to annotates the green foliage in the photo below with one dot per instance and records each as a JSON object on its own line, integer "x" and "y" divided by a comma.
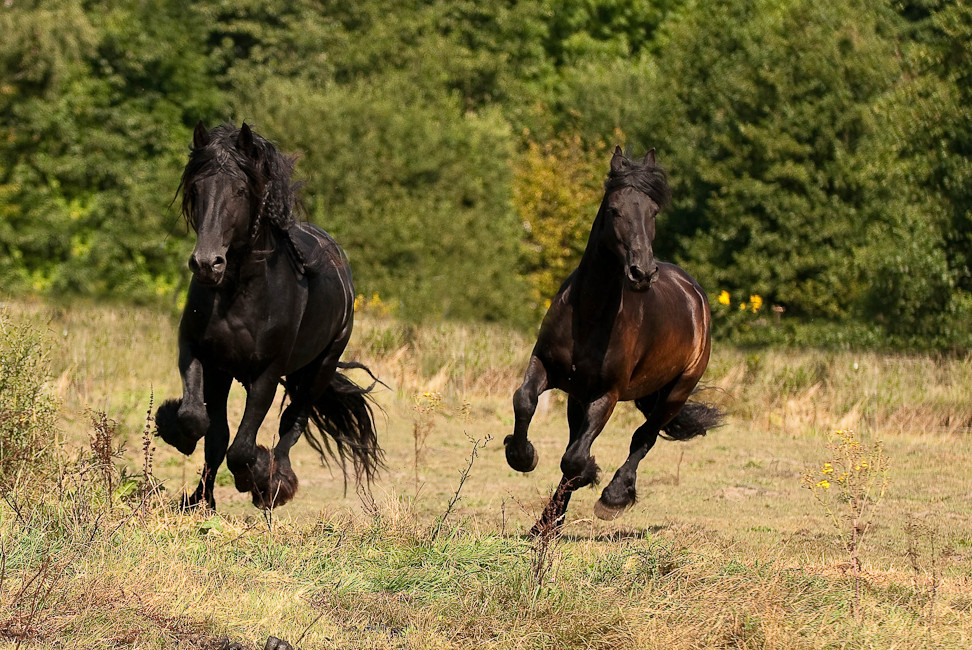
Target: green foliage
{"x": 819, "y": 152}
{"x": 764, "y": 123}
{"x": 417, "y": 191}
{"x": 557, "y": 190}
{"x": 94, "y": 129}
{"x": 921, "y": 266}
{"x": 28, "y": 409}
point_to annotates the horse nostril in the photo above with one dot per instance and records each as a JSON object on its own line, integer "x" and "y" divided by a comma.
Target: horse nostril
{"x": 219, "y": 263}
{"x": 193, "y": 264}
{"x": 636, "y": 273}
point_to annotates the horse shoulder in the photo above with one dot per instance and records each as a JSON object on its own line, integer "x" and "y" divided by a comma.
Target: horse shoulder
{"x": 554, "y": 346}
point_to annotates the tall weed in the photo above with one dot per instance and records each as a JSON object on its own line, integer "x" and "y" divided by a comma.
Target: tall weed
{"x": 28, "y": 410}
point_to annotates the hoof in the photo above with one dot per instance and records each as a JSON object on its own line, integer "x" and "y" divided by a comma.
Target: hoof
{"x": 546, "y": 529}
{"x": 273, "y": 643}
{"x": 194, "y": 501}
{"x": 252, "y": 474}
{"x": 280, "y": 489}
{"x": 168, "y": 427}
{"x": 606, "y": 512}
{"x": 522, "y": 459}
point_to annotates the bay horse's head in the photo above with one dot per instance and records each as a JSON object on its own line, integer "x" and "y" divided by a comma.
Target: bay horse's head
{"x": 234, "y": 181}
{"x": 635, "y": 191}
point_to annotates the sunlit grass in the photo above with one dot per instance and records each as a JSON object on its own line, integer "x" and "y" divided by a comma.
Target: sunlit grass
{"x": 725, "y": 548}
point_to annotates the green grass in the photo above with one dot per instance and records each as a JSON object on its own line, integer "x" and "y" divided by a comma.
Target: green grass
{"x": 724, "y": 548}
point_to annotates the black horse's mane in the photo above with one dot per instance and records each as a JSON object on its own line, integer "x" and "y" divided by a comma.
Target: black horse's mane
{"x": 267, "y": 173}
{"x": 649, "y": 179}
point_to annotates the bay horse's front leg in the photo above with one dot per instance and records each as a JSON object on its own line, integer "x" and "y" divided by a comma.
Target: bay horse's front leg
{"x": 249, "y": 463}
{"x": 586, "y": 421}
{"x": 520, "y": 453}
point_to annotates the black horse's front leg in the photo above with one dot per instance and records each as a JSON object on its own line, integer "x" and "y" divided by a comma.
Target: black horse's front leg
{"x": 181, "y": 423}
{"x": 216, "y": 386}
{"x": 520, "y": 453}
{"x": 251, "y": 464}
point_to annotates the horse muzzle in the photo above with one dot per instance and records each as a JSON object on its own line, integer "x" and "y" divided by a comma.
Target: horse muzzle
{"x": 208, "y": 269}
{"x": 639, "y": 279}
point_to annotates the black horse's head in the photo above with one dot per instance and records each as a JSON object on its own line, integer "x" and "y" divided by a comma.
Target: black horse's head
{"x": 634, "y": 194}
{"x": 234, "y": 181}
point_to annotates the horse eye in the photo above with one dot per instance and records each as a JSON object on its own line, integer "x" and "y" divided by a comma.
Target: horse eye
{"x": 241, "y": 191}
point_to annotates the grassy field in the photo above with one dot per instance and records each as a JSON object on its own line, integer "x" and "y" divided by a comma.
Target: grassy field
{"x": 726, "y": 547}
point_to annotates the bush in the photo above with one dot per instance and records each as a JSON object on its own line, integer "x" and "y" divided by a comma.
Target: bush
{"x": 28, "y": 410}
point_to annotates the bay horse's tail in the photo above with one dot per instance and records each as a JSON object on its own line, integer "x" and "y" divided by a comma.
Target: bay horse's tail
{"x": 695, "y": 419}
{"x": 344, "y": 419}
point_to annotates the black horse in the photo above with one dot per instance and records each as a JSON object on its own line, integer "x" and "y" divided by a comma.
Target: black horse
{"x": 622, "y": 327}
{"x": 270, "y": 302}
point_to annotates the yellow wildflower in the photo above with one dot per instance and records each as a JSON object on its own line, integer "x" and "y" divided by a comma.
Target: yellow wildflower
{"x": 724, "y": 298}
{"x": 756, "y": 301}
{"x": 827, "y": 469}
{"x": 824, "y": 484}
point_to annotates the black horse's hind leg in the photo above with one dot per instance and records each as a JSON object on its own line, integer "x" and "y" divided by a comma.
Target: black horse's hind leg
{"x": 216, "y": 389}
{"x": 586, "y": 421}
{"x": 281, "y": 484}
{"x": 249, "y": 463}
{"x": 304, "y": 388}
{"x": 520, "y": 453}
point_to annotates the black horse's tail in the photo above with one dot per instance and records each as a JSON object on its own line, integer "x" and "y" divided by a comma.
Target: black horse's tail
{"x": 344, "y": 417}
{"x": 695, "y": 419}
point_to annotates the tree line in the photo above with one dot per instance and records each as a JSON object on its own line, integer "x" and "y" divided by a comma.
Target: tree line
{"x": 819, "y": 153}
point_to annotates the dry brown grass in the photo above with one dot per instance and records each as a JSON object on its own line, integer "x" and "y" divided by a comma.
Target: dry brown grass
{"x": 724, "y": 548}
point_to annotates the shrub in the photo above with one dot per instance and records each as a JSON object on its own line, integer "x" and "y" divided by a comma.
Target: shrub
{"x": 28, "y": 410}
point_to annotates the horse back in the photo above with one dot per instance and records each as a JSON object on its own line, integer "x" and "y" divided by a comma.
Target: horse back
{"x": 330, "y": 293}
{"x": 319, "y": 251}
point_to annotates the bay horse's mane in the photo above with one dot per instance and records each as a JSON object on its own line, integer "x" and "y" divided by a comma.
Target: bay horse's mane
{"x": 267, "y": 173}
{"x": 646, "y": 178}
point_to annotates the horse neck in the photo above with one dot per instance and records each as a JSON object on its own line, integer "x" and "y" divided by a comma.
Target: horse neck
{"x": 600, "y": 278}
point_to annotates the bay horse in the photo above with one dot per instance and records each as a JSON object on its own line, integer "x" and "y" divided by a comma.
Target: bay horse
{"x": 270, "y": 302}
{"x": 623, "y": 326}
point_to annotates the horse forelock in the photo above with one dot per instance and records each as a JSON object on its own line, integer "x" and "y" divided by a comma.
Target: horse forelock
{"x": 268, "y": 174}
{"x": 647, "y": 179}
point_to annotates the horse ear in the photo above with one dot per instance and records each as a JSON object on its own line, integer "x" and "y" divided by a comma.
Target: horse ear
{"x": 617, "y": 160}
{"x": 244, "y": 141}
{"x": 650, "y": 158}
{"x": 200, "y": 136}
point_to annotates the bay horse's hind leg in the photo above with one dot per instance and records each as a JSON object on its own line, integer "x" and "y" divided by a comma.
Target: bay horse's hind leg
{"x": 520, "y": 453}
{"x": 621, "y": 493}
{"x": 586, "y": 421}
{"x": 661, "y": 410}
